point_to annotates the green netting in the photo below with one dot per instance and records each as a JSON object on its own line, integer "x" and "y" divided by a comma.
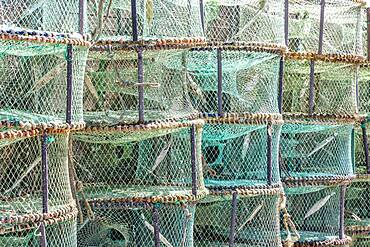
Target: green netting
{"x": 142, "y": 164}
{"x": 357, "y": 203}
{"x": 360, "y": 161}
{"x": 62, "y": 233}
{"x": 364, "y": 90}
{"x": 237, "y": 155}
{"x": 33, "y": 81}
{"x": 309, "y": 150}
{"x": 112, "y": 94}
{"x": 257, "y": 221}
{"x": 157, "y": 19}
{"x": 361, "y": 241}
{"x": 342, "y": 33}
{"x": 134, "y": 224}
{"x": 245, "y": 20}
{"x": 334, "y": 87}
{"x": 249, "y": 81}
{"x": 315, "y": 212}
{"x": 43, "y": 15}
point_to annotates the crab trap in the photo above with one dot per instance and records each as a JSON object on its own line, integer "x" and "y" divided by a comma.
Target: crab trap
{"x": 138, "y": 224}
{"x": 234, "y": 79}
{"x": 239, "y": 218}
{"x": 257, "y": 21}
{"x": 135, "y": 85}
{"x": 45, "y": 15}
{"x": 35, "y": 188}
{"x": 326, "y": 26}
{"x": 317, "y": 210}
{"x": 364, "y": 89}
{"x": 316, "y": 151}
{"x": 41, "y": 78}
{"x": 144, "y": 19}
{"x": 156, "y": 160}
{"x": 240, "y": 155}
{"x": 320, "y": 84}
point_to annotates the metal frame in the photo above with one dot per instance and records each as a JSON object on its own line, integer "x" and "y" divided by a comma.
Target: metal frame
{"x": 233, "y": 219}
{"x": 193, "y": 160}
{"x": 219, "y": 83}
{"x": 69, "y": 83}
{"x": 45, "y": 185}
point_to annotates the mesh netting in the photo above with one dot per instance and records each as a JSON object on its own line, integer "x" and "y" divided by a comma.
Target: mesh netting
{"x": 361, "y": 241}
{"x": 112, "y": 94}
{"x": 237, "y": 155}
{"x": 334, "y": 90}
{"x": 249, "y": 81}
{"x": 342, "y": 26}
{"x": 256, "y": 221}
{"x": 245, "y": 20}
{"x": 59, "y": 233}
{"x": 364, "y": 89}
{"x": 159, "y": 19}
{"x": 309, "y": 150}
{"x": 137, "y": 163}
{"x": 45, "y": 15}
{"x": 315, "y": 211}
{"x": 360, "y": 156}
{"x": 139, "y": 225}
{"x": 33, "y": 81}
{"x": 357, "y": 203}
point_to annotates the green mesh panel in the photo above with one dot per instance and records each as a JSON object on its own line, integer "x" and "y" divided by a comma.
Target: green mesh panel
{"x": 132, "y": 225}
{"x": 45, "y": 15}
{"x": 138, "y": 164}
{"x": 249, "y": 81}
{"x": 360, "y": 163}
{"x": 157, "y": 19}
{"x": 111, "y": 92}
{"x": 257, "y": 221}
{"x": 357, "y": 203}
{"x": 314, "y": 211}
{"x": 364, "y": 90}
{"x": 361, "y": 241}
{"x": 309, "y": 150}
{"x": 245, "y": 20}
{"x": 334, "y": 90}
{"x": 33, "y": 82}
{"x": 236, "y": 155}
{"x": 342, "y": 26}
{"x": 58, "y": 234}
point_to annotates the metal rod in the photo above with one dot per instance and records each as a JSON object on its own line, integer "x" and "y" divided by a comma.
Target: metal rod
{"x": 233, "y": 219}
{"x": 201, "y": 9}
{"x": 193, "y": 160}
{"x": 45, "y": 185}
{"x": 286, "y": 22}
{"x": 281, "y": 85}
{"x": 341, "y": 211}
{"x": 353, "y": 154}
{"x": 81, "y": 15}
{"x": 357, "y": 88}
{"x": 140, "y": 75}
{"x": 156, "y": 226}
{"x": 322, "y": 19}
{"x": 269, "y": 153}
{"x": 69, "y": 83}
{"x": 312, "y": 87}
{"x": 366, "y": 146}
{"x": 368, "y": 33}
{"x": 219, "y": 83}
{"x": 135, "y": 35}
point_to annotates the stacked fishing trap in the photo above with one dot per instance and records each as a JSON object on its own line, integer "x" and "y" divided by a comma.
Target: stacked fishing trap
{"x": 184, "y": 123}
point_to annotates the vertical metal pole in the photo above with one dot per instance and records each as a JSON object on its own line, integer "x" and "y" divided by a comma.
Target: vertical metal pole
{"x": 201, "y": 9}
{"x": 233, "y": 219}
{"x": 45, "y": 185}
{"x": 156, "y": 226}
{"x": 193, "y": 160}
{"x": 322, "y": 19}
{"x": 286, "y": 22}
{"x": 366, "y": 146}
{"x": 341, "y": 211}
{"x": 219, "y": 83}
{"x": 135, "y": 35}
{"x": 353, "y": 155}
{"x": 269, "y": 153}
{"x": 281, "y": 85}
{"x": 81, "y": 15}
{"x": 312, "y": 87}
{"x": 357, "y": 88}
{"x": 69, "y": 83}
{"x": 368, "y": 32}
{"x": 140, "y": 75}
